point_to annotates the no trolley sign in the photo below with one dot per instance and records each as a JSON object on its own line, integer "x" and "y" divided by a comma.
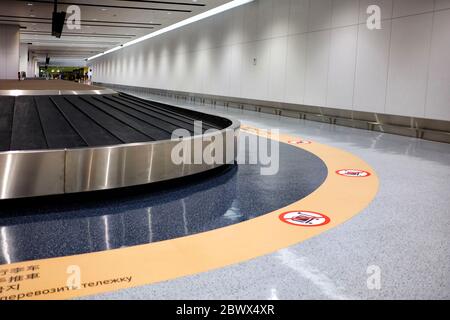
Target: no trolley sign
{"x": 354, "y": 173}
{"x": 299, "y": 142}
{"x": 304, "y": 218}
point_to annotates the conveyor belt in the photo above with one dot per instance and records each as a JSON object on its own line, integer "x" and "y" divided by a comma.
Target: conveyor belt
{"x": 60, "y": 122}
{"x": 55, "y": 142}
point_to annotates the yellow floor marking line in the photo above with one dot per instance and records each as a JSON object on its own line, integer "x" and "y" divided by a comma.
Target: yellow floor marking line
{"x": 339, "y": 198}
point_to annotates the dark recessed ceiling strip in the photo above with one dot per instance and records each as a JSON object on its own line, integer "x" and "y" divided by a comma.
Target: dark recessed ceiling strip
{"x": 122, "y": 22}
{"x": 108, "y": 6}
{"x": 83, "y": 34}
{"x": 63, "y": 53}
{"x": 94, "y": 21}
{"x": 78, "y": 42}
{"x": 113, "y": 26}
{"x": 87, "y": 25}
{"x": 193, "y": 4}
{"x": 42, "y": 50}
{"x": 86, "y": 36}
{"x": 23, "y": 17}
{"x": 45, "y": 51}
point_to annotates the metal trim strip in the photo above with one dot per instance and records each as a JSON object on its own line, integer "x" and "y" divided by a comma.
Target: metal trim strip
{"x": 16, "y": 93}
{"x": 33, "y": 173}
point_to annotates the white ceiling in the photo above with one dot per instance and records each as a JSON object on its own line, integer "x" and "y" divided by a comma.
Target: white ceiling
{"x": 104, "y": 23}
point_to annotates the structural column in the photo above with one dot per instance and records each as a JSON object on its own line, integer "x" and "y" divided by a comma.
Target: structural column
{"x": 23, "y": 58}
{"x": 9, "y": 51}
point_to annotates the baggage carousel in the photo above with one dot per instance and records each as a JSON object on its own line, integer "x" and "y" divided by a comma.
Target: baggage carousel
{"x": 69, "y": 141}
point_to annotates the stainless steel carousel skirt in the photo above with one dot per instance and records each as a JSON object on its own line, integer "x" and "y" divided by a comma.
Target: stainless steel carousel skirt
{"x": 58, "y": 143}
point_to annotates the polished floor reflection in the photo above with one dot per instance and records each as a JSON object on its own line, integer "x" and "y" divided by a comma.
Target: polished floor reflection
{"x": 74, "y": 224}
{"x": 404, "y": 231}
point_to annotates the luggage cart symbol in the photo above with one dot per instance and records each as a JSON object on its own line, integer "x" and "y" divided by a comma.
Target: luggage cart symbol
{"x": 355, "y": 173}
{"x": 304, "y": 218}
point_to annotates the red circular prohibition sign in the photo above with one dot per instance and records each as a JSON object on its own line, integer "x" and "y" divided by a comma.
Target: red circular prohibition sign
{"x": 353, "y": 173}
{"x": 303, "y": 218}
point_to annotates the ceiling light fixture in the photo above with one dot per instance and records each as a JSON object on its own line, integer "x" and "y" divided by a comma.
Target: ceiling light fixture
{"x": 201, "y": 16}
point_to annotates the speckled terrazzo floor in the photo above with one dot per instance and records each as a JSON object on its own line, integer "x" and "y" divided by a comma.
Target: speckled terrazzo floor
{"x": 405, "y": 232}
{"x": 91, "y": 222}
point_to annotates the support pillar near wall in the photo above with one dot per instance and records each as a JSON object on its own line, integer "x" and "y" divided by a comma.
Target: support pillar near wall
{"x": 23, "y": 58}
{"x": 9, "y": 51}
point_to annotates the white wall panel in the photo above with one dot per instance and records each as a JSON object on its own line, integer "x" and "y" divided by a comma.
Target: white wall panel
{"x": 191, "y": 37}
{"x": 250, "y": 12}
{"x": 342, "y": 67}
{"x": 438, "y": 97}
{"x": 170, "y": 41}
{"x": 215, "y": 66}
{"x": 198, "y": 73}
{"x": 207, "y": 68}
{"x": 178, "y": 72}
{"x": 298, "y": 16}
{"x": 264, "y": 19}
{"x": 345, "y": 13}
{"x": 317, "y": 60}
{"x": 408, "y": 65}
{"x": 162, "y": 71}
{"x": 255, "y": 76}
{"x": 248, "y": 70}
{"x": 277, "y": 68}
{"x": 280, "y": 19}
{"x": 100, "y": 77}
{"x": 372, "y": 68}
{"x": 122, "y": 71}
{"x": 235, "y": 78}
{"x": 181, "y": 42}
{"x": 203, "y": 34}
{"x": 150, "y": 70}
{"x": 231, "y": 27}
{"x": 320, "y": 12}
{"x": 224, "y": 71}
{"x": 130, "y": 68}
{"x": 307, "y": 52}
{"x": 442, "y": 4}
{"x": 220, "y": 28}
{"x": 295, "y": 69}
{"x": 409, "y": 7}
